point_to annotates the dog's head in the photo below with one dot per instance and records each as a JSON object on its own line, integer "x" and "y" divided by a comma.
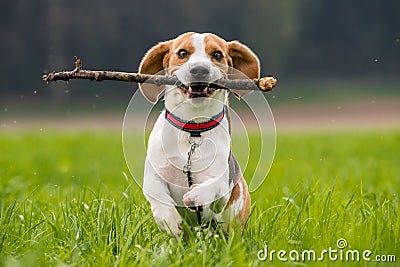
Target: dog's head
{"x": 197, "y": 60}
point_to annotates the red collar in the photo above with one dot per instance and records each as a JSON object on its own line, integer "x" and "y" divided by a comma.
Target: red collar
{"x": 194, "y": 128}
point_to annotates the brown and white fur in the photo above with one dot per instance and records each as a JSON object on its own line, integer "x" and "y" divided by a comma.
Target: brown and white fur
{"x": 219, "y": 187}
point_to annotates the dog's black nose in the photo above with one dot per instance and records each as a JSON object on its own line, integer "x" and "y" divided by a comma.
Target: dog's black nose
{"x": 199, "y": 73}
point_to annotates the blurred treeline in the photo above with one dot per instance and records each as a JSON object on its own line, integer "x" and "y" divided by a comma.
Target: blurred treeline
{"x": 293, "y": 38}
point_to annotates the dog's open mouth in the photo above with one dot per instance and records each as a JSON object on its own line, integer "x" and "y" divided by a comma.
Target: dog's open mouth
{"x": 198, "y": 89}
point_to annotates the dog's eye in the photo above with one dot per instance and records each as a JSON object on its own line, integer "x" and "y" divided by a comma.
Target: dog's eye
{"x": 182, "y": 53}
{"x": 218, "y": 55}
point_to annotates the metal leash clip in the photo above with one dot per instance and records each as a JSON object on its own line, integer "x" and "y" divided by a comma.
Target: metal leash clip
{"x": 187, "y": 169}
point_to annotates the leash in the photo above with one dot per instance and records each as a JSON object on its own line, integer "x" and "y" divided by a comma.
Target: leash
{"x": 187, "y": 169}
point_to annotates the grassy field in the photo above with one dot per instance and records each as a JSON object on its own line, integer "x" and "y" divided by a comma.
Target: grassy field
{"x": 67, "y": 199}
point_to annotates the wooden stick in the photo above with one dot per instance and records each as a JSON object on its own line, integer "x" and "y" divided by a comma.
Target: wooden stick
{"x": 264, "y": 84}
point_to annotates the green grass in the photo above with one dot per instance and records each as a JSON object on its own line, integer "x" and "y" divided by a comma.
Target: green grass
{"x": 67, "y": 199}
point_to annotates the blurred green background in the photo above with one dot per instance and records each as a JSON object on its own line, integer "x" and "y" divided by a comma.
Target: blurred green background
{"x": 337, "y": 63}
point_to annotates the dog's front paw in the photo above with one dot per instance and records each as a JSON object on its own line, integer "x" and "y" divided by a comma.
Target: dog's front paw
{"x": 168, "y": 220}
{"x": 198, "y": 197}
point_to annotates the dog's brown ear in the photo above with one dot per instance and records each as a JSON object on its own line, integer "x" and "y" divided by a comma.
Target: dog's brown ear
{"x": 152, "y": 63}
{"x": 244, "y": 60}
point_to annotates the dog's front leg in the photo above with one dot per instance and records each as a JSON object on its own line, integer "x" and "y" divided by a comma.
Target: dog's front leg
{"x": 213, "y": 192}
{"x": 162, "y": 204}
{"x": 166, "y": 217}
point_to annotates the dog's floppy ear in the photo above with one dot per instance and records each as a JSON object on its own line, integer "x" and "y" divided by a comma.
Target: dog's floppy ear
{"x": 152, "y": 63}
{"x": 244, "y": 60}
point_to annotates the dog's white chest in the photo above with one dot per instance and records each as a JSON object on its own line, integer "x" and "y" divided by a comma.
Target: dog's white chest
{"x": 168, "y": 152}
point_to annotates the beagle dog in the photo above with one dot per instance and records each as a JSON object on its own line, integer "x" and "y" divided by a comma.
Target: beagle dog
{"x": 190, "y": 172}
